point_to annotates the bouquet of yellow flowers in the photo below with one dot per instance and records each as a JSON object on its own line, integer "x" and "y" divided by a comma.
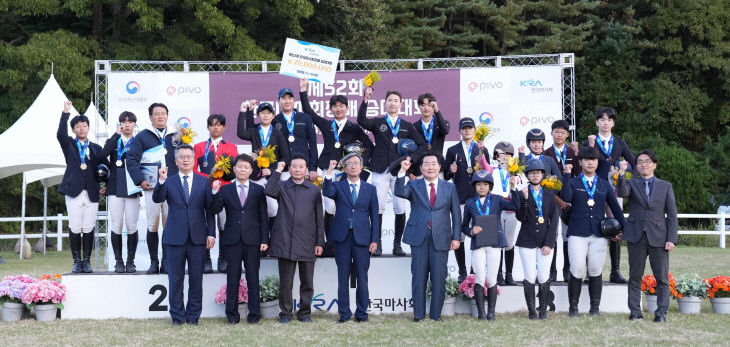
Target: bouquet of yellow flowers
{"x": 372, "y": 78}
{"x": 319, "y": 182}
{"x": 266, "y": 156}
{"x": 483, "y": 131}
{"x": 627, "y": 176}
{"x": 515, "y": 166}
{"x": 184, "y": 135}
{"x": 222, "y": 167}
{"x": 552, "y": 183}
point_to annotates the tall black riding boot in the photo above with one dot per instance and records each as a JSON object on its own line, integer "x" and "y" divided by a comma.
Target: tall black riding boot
{"x": 553, "y": 266}
{"x": 500, "y": 276}
{"x": 208, "y": 264}
{"x": 595, "y": 287}
{"x": 132, "y": 240}
{"x": 379, "y": 250}
{"x": 163, "y": 261}
{"x": 87, "y": 240}
{"x": 614, "y": 248}
{"x": 75, "y": 251}
{"x": 479, "y": 300}
{"x": 460, "y": 255}
{"x": 544, "y": 297}
{"x": 400, "y": 225}
{"x": 574, "y": 288}
{"x": 117, "y": 247}
{"x": 153, "y": 241}
{"x": 509, "y": 259}
{"x": 566, "y": 263}
{"x": 491, "y": 301}
{"x": 529, "y": 289}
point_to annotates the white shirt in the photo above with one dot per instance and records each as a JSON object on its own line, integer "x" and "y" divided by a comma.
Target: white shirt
{"x": 125, "y": 139}
{"x": 216, "y": 142}
{"x": 467, "y": 152}
{"x": 160, "y": 133}
{"x": 605, "y": 140}
{"x": 288, "y": 117}
{"x": 428, "y": 187}
{"x": 239, "y": 186}
{"x": 190, "y": 181}
{"x": 340, "y": 124}
{"x": 357, "y": 186}
{"x": 393, "y": 120}
{"x": 589, "y": 180}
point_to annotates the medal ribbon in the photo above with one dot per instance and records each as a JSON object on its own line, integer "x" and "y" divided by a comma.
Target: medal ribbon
{"x": 264, "y": 140}
{"x": 162, "y": 137}
{"x": 538, "y": 200}
{"x": 334, "y": 130}
{"x": 120, "y": 150}
{"x": 82, "y": 149}
{"x": 603, "y": 148}
{"x": 468, "y": 154}
{"x": 208, "y": 145}
{"x": 592, "y": 191}
{"x": 427, "y": 134}
{"x": 393, "y": 130}
{"x": 504, "y": 178}
{"x": 487, "y": 202}
{"x": 290, "y": 124}
{"x": 561, "y": 155}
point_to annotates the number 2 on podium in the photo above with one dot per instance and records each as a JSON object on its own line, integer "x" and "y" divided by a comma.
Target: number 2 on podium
{"x": 163, "y": 294}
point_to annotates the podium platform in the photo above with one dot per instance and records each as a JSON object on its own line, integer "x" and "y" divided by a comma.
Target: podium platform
{"x": 106, "y": 295}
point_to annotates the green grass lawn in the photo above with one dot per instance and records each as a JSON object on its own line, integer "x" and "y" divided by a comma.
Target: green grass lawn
{"x": 706, "y": 328}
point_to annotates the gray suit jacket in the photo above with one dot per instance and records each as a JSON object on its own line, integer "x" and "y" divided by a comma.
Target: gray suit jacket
{"x": 649, "y": 216}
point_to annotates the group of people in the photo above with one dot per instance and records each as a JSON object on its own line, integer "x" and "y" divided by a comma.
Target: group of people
{"x": 277, "y": 209}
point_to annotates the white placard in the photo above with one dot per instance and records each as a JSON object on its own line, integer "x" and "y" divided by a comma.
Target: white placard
{"x": 309, "y": 60}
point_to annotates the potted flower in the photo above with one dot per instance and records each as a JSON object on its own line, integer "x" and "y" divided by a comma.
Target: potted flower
{"x": 220, "y": 297}
{"x": 466, "y": 289}
{"x": 719, "y": 293}
{"x": 11, "y": 294}
{"x": 46, "y": 296}
{"x": 648, "y": 287}
{"x": 451, "y": 292}
{"x": 689, "y": 294}
{"x": 269, "y": 291}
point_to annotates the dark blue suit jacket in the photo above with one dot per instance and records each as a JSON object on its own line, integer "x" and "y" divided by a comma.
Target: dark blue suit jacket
{"x": 364, "y": 214}
{"x": 445, "y": 214}
{"x": 497, "y": 204}
{"x": 195, "y": 219}
{"x": 248, "y": 224}
{"x": 586, "y": 220}
{"x": 117, "y": 184}
{"x": 145, "y": 140}
{"x": 74, "y": 179}
{"x": 461, "y": 179}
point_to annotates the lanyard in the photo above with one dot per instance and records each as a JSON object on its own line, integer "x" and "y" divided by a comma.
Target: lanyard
{"x": 592, "y": 191}
{"x": 427, "y": 134}
{"x": 120, "y": 150}
{"x": 538, "y": 200}
{"x": 504, "y": 178}
{"x": 561, "y": 155}
{"x": 334, "y": 130}
{"x": 264, "y": 140}
{"x": 487, "y": 202}
{"x": 162, "y": 137}
{"x": 82, "y": 149}
{"x": 603, "y": 148}
{"x": 290, "y": 124}
{"x": 393, "y": 130}
{"x": 468, "y": 154}
{"x": 208, "y": 144}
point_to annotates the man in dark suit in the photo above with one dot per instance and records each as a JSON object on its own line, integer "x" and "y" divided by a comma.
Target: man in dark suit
{"x": 190, "y": 231}
{"x": 298, "y": 129}
{"x": 244, "y": 236}
{"x": 156, "y": 135}
{"x": 336, "y": 133}
{"x": 433, "y": 230}
{"x": 387, "y": 131}
{"x": 648, "y": 231}
{"x": 298, "y": 235}
{"x": 79, "y": 185}
{"x": 354, "y": 231}
{"x": 432, "y": 126}
{"x": 461, "y": 159}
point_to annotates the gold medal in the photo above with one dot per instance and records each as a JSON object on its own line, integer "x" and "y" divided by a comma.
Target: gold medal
{"x": 591, "y": 202}
{"x": 428, "y": 146}
{"x": 337, "y": 145}
{"x": 83, "y": 166}
{"x": 541, "y": 220}
{"x": 119, "y": 163}
{"x": 395, "y": 140}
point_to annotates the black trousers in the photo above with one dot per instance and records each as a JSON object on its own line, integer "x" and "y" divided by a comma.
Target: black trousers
{"x": 234, "y": 254}
{"x": 306, "y": 287}
{"x": 659, "y": 262}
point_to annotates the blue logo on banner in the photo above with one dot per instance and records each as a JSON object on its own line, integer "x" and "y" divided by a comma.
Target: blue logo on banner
{"x": 486, "y": 118}
{"x": 132, "y": 87}
{"x": 184, "y": 122}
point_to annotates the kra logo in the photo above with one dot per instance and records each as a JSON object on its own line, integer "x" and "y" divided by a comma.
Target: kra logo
{"x": 486, "y": 118}
{"x": 132, "y": 87}
{"x": 530, "y": 83}
{"x": 184, "y": 122}
{"x": 524, "y": 120}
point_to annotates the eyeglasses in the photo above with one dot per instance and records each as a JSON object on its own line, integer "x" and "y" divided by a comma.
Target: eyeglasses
{"x": 534, "y": 173}
{"x": 352, "y": 165}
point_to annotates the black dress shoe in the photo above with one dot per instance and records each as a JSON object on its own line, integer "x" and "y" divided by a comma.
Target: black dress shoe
{"x": 635, "y": 316}
{"x": 208, "y": 267}
{"x": 436, "y": 319}
{"x": 192, "y": 322}
{"x": 222, "y": 265}
{"x": 660, "y": 319}
{"x": 462, "y": 276}
{"x": 305, "y": 320}
{"x": 361, "y": 320}
{"x": 233, "y": 321}
{"x": 342, "y": 320}
{"x": 508, "y": 279}
{"x": 253, "y": 320}
{"x": 284, "y": 320}
{"x": 616, "y": 277}
{"x": 416, "y": 320}
{"x": 177, "y": 322}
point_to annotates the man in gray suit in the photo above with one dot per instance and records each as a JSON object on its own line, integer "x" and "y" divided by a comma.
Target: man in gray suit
{"x": 648, "y": 231}
{"x": 432, "y": 230}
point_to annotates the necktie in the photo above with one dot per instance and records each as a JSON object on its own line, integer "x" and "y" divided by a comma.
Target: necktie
{"x": 647, "y": 190}
{"x": 432, "y": 200}
{"x": 186, "y": 189}
{"x": 354, "y": 198}
{"x": 242, "y": 195}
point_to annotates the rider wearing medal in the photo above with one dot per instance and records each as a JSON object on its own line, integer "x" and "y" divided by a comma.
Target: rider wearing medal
{"x": 299, "y": 132}
{"x": 432, "y": 126}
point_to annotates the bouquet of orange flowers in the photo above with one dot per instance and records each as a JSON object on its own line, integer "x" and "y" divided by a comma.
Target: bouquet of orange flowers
{"x": 515, "y": 166}
{"x": 552, "y": 183}
{"x": 56, "y": 277}
{"x": 222, "y": 167}
{"x": 627, "y": 176}
{"x": 372, "y": 78}
{"x": 319, "y": 182}
{"x": 648, "y": 285}
{"x": 184, "y": 134}
{"x": 719, "y": 287}
{"x": 266, "y": 156}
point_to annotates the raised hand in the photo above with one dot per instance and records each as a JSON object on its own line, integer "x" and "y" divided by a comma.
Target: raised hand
{"x": 163, "y": 173}
{"x": 405, "y": 164}
{"x": 522, "y": 149}
{"x": 303, "y": 84}
{"x": 368, "y": 93}
{"x": 453, "y": 167}
{"x": 280, "y": 166}
{"x": 216, "y": 185}
{"x": 66, "y": 106}
{"x": 435, "y": 106}
{"x": 333, "y": 165}
{"x": 591, "y": 140}
{"x": 245, "y": 105}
